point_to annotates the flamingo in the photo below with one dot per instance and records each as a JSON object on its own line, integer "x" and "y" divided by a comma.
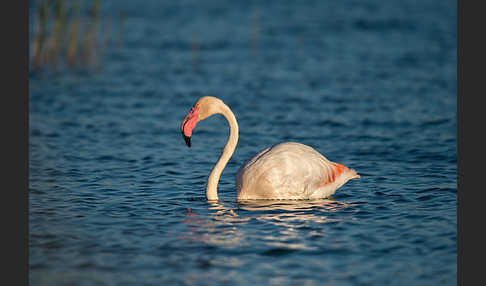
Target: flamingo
{"x": 285, "y": 171}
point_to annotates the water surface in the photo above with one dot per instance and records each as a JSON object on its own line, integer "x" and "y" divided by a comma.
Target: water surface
{"x": 116, "y": 197}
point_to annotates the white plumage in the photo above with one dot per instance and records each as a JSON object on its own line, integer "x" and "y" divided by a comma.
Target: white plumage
{"x": 290, "y": 171}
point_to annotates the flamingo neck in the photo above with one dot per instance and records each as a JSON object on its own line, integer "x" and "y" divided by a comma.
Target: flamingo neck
{"x": 229, "y": 148}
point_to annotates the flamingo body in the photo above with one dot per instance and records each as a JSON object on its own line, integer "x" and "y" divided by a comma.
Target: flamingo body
{"x": 290, "y": 171}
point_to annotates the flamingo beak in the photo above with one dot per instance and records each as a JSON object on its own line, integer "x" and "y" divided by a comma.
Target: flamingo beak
{"x": 187, "y": 139}
{"x": 188, "y": 124}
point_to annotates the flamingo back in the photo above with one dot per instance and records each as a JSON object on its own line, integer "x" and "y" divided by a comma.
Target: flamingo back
{"x": 290, "y": 171}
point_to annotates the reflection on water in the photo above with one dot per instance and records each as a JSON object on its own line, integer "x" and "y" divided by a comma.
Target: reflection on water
{"x": 216, "y": 229}
{"x": 225, "y": 224}
{"x": 292, "y": 205}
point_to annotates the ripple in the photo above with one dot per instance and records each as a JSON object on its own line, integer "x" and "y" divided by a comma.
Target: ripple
{"x": 425, "y": 198}
{"x": 278, "y": 251}
{"x": 116, "y": 197}
{"x": 383, "y": 25}
{"x": 435, "y": 122}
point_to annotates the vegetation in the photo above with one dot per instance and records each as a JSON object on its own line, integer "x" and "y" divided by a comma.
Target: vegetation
{"x": 67, "y": 34}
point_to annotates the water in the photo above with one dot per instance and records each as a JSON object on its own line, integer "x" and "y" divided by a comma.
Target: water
{"x": 116, "y": 197}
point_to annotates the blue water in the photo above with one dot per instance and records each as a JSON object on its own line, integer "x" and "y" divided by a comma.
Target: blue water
{"x": 116, "y": 197}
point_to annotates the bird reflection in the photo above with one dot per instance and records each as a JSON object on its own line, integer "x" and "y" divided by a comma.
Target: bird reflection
{"x": 291, "y": 205}
{"x": 217, "y": 229}
{"x": 227, "y": 223}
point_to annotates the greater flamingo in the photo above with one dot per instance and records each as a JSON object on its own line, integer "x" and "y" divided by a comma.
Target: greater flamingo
{"x": 284, "y": 171}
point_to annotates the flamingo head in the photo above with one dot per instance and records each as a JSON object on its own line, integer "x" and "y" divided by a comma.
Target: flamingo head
{"x": 202, "y": 109}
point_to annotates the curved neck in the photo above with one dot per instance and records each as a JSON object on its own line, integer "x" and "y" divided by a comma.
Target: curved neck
{"x": 229, "y": 148}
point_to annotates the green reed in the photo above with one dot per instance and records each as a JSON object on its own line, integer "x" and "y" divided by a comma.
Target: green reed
{"x": 67, "y": 33}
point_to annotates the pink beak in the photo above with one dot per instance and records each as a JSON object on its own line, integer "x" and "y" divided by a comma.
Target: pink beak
{"x": 188, "y": 124}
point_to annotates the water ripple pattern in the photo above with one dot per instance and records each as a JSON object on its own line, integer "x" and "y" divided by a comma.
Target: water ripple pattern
{"x": 116, "y": 197}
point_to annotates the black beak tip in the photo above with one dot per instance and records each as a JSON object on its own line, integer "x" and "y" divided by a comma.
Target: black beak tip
{"x": 188, "y": 140}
